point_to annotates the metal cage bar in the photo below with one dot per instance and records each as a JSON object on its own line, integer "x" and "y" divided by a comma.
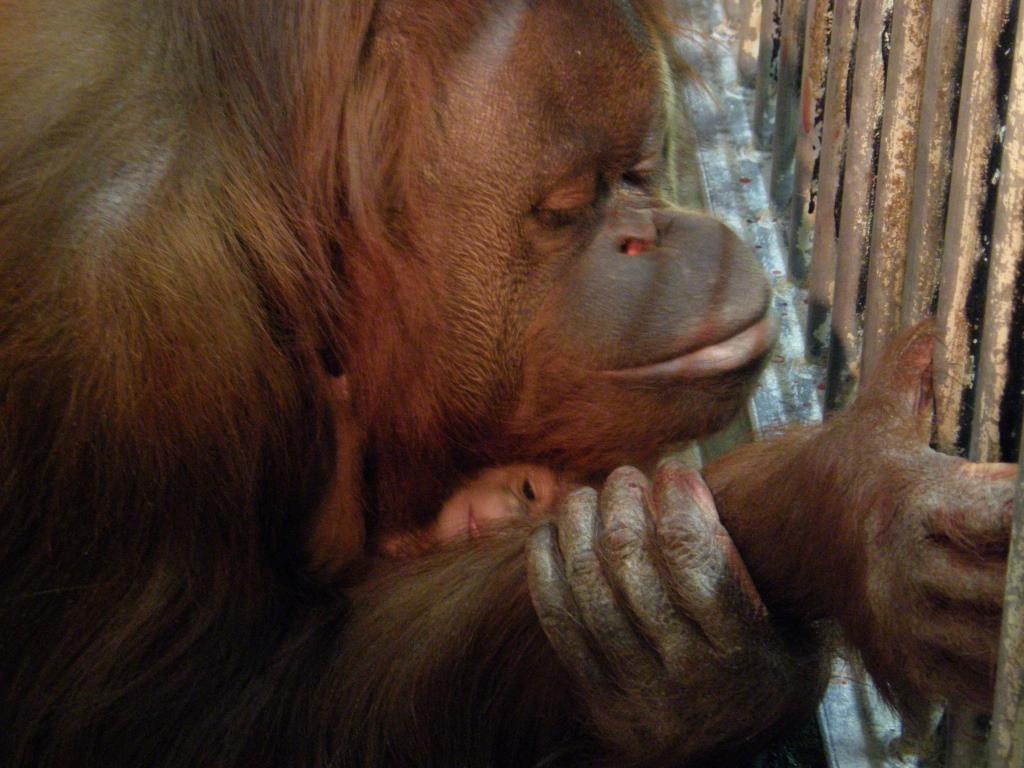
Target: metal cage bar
{"x": 898, "y": 142}
{"x": 858, "y": 190}
{"x": 940, "y": 99}
{"x": 817, "y": 33}
{"x": 766, "y": 82}
{"x": 965, "y": 252}
{"x": 787, "y": 102}
{"x": 821, "y": 282}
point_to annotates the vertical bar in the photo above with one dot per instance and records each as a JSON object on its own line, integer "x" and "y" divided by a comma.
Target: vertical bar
{"x": 963, "y": 266}
{"x": 1004, "y": 315}
{"x": 767, "y": 70}
{"x": 900, "y": 120}
{"x": 1003, "y": 294}
{"x": 939, "y": 102}
{"x": 830, "y": 179}
{"x": 858, "y": 193}
{"x": 749, "y": 26}
{"x": 808, "y": 141}
{"x": 787, "y": 102}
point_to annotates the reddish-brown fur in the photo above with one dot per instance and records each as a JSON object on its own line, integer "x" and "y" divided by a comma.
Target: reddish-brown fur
{"x": 208, "y": 210}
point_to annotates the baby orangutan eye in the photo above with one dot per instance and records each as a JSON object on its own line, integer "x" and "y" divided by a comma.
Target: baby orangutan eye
{"x": 528, "y": 491}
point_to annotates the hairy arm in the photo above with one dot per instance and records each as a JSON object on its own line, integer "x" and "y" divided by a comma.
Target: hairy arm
{"x": 859, "y": 520}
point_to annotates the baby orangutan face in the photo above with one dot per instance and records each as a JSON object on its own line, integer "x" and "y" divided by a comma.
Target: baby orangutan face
{"x": 496, "y": 495}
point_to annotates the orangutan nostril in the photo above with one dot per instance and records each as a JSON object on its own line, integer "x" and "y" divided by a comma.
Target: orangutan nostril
{"x": 634, "y": 246}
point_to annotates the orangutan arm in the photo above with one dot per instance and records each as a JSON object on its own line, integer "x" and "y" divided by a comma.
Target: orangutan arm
{"x": 861, "y": 521}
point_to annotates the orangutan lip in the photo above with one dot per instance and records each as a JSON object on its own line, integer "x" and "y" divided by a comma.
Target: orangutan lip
{"x": 712, "y": 360}
{"x": 472, "y": 526}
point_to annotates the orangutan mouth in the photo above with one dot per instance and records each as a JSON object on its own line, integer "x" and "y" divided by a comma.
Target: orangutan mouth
{"x": 711, "y": 360}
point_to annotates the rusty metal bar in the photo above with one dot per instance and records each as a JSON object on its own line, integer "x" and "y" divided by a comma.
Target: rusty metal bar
{"x": 964, "y": 262}
{"x": 821, "y": 282}
{"x": 939, "y": 101}
{"x": 787, "y": 102}
{"x": 808, "y": 139}
{"x": 991, "y": 441}
{"x": 767, "y": 69}
{"x": 891, "y": 210}
{"x": 858, "y": 195}
{"x": 1002, "y": 357}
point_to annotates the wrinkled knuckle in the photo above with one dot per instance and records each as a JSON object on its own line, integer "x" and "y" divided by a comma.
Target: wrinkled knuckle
{"x": 680, "y": 532}
{"x": 620, "y": 541}
{"x": 626, "y": 477}
{"x": 579, "y": 502}
{"x": 699, "y": 585}
{"x": 583, "y": 567}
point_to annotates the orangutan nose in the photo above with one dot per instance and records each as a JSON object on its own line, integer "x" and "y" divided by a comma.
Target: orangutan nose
{"x": 637, "y": 232}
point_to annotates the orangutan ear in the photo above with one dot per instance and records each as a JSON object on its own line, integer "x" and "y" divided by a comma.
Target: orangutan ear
{"x": 338, "y": 534}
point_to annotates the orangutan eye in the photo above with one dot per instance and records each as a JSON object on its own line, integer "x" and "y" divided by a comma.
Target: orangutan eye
{"x": 645, "y": 174}
{"x": 528, "y": 491}
{"x": 641, "y": 179}
{"x": 570, "y": 200}
{"x": 577, "y": 192}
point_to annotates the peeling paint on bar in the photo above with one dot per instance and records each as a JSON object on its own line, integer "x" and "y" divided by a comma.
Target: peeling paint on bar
{"x": 1006, "y": 261}
{"x": 767, "y": 70}
{"x": 821, "y": 283}
{"x": 939, "y": 101}
{"x": 965, "y": 249}
{"x": 889, "y": 229}
{"x": 787, "y": 103}
{"x": 858, "y": 196}
{"x": 808, "y": 141}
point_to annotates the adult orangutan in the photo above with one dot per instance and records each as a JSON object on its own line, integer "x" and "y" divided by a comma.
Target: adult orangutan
{"x": 213, "y": 211}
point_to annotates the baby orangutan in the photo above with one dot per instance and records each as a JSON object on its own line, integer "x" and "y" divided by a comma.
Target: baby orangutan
{"x": 497, "y": 494}
{"x": 494, "y": 495}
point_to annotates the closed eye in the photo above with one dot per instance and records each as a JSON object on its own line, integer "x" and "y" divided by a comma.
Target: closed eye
{"x": 645, "y": 174}
{"x": 569, "y": 200}
{"x": 638, "y": 178}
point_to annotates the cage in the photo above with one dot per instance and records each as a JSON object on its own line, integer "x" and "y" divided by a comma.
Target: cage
{"x": 872, "y": 152}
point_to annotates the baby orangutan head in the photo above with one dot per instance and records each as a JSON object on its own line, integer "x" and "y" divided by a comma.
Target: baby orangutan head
{"x": 494, "y": 496}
